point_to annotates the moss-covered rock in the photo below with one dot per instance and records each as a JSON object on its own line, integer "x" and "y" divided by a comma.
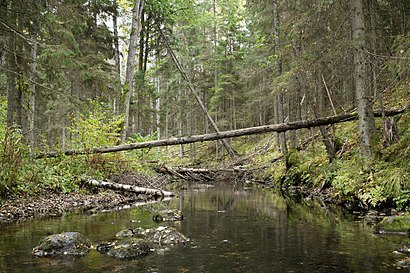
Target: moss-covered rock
{"x": 162, "y": 236}
{"x": 68, "y": 243}
{"x": 129, "y": 248}
{"x": 394, "y": 225}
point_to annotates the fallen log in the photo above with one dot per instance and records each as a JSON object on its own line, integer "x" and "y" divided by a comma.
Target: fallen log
{"x": 279, "y": 128}
{"x": 168, "y": 170}
{"x": 201, "y": 174}
{"x": 129, "y": 188}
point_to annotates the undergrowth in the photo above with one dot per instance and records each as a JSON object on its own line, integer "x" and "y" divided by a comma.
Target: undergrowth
{"x": 377, "y": 182}
{"x": 22, "y": 174}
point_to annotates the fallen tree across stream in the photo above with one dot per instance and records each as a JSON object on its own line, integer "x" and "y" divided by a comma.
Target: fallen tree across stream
{"x": 279, "y": 128}
{"x": 129, "y": 188}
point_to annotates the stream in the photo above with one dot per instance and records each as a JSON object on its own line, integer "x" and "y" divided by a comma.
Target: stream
{"x": 231, "y": 229}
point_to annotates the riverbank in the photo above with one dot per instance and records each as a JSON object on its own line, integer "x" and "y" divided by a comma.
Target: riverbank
{"x": 45, "y": 204}
{"x": 23, "y": 208}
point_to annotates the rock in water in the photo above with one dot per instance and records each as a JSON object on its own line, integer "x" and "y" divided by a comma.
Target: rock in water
{"x": 170, "y": 215}
{"x": 67, "y": 243}
{"x": 162, "y": 236}
{"x": 129, "y": 248}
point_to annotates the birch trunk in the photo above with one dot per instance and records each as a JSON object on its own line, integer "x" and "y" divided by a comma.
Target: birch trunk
{"x": 129, "y": 188}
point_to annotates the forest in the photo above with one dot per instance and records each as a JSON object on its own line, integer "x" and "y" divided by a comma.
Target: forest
{"x": 81, "y": 75}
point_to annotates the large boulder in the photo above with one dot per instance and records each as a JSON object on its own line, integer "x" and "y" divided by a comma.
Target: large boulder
{"x": 129, "y": 248}
{"x": 394, "y": 225}
{"x": 67, "y": 243}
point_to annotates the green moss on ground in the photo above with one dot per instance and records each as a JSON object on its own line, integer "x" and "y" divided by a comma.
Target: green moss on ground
{"x": 394, "y": 224}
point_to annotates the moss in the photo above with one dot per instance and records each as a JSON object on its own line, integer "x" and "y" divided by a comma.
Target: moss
{"x": 394, "y": 224}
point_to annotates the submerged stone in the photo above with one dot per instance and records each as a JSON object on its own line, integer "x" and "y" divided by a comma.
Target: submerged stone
{"x": 167, "y": 216}
{"x": 129, "y": 248}
{"x": 162, "y": 235}
{"x": 394, "y": 225}
{"x": 67, "y": 243}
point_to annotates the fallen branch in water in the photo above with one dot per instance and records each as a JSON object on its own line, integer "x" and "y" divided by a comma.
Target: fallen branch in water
{"x": 129, "y": 188}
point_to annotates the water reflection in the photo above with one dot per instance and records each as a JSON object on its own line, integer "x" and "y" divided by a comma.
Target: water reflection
{"x": 232, "y": 230}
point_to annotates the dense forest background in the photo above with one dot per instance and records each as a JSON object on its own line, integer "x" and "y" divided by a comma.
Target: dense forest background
{"x": 77, "y": 74}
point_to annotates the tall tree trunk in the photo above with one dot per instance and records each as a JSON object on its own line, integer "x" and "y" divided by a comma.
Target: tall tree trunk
{"x": 278, "y": 64}
{"x": 282, "y": 137}
{"x": 158, "y": 108}
{"x": 363, "y": 98}
{"x": 116, "y": 99}
{"x": 32, "y": 98}
{"x": 132, "y": 51}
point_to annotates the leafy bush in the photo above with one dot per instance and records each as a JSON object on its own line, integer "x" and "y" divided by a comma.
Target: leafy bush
{"x": 21, "y": 174}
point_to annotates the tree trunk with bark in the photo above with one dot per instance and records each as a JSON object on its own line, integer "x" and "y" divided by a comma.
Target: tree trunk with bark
{"x": 129, "y": 74}
{"x": 278, "y": 63}
{"x": 367, "y": 126}
{"x": 32, "y": 98}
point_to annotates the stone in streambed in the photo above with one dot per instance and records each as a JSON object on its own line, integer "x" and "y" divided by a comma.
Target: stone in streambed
{"x": 67, "y": 243}
{"x": 129, "y": 248}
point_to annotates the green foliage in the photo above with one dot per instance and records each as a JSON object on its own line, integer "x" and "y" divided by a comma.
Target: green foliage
{"x": 97, "y": 128}
{"x": 11, "y": 156}
{"x": 143, "y": 155}
{"x": 21, "y": 174}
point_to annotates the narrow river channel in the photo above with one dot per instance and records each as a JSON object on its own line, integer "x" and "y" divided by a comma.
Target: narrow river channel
{"x": 231, "y": 228}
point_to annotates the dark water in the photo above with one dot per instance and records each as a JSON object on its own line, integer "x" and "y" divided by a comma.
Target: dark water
{"x": 231, "y": 230}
